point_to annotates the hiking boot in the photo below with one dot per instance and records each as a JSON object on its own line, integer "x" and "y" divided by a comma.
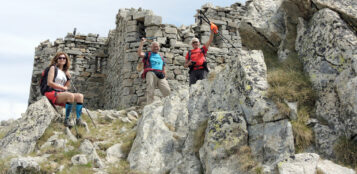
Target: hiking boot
{"x": 79, "y": 122}
{"x": 67, "y": 123}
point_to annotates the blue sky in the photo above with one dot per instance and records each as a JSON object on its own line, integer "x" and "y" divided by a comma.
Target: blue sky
{"x": 26, "y": 23}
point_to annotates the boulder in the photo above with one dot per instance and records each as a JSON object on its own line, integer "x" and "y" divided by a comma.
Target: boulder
{"x": 21, "y": 139}
{"x": 347, "y": 9}
{"x": 26, "y": 165}
{"x": 326, "y": 45}
{"x": 262, "y": 26}
{"x": 114, "y": 153}
{"x": 310, "y": 163}
{"x": 226, "y": 133}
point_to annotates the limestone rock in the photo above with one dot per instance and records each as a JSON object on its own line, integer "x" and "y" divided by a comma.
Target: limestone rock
{"x": 328, "y": 167}
{"x": 347, "y": 9}
{"x": 327, "y": 47}
{"x": 155, "y": 149}
{"x": 271, "y": 142}
{"x": 25, "y": 164}
{"x": 262, "y": 26}
{"x": 79, "y": 159}
{"x": 301, "y": 163}
{"x": 22, "y": 139}
{"x": 310, "y": 163}
{"x": 114, "y": 153}
{"x": 225, "y": 134}
{"x": 152, "y": 20}
{"x": 88, "y": 149}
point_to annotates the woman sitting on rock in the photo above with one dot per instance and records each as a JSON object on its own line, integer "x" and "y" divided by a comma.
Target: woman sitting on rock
{"x": 58, "y": 81}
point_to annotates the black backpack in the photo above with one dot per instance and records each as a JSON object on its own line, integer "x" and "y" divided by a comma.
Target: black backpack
{"x": 43, "y": 82}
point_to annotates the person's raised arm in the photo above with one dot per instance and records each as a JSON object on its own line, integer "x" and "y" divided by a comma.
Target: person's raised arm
{"x": 140, "y": 49}
{"x": 208, "y": 43}
{"x": 214, "y": 30}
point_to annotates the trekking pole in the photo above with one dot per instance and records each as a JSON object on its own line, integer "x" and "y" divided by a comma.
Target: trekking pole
{"x": 75, "y": 126}
{"x": 75, "y": 90}
{"x": 224, "y": 39}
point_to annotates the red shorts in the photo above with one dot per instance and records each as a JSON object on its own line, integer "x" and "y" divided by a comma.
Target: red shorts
{"x": 52, "y": 96}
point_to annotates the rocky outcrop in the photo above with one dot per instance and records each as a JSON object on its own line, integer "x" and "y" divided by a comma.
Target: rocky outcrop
{"x": 22, "y": 138}
{"x": 25, "y": 165}
{"x": 262, "y": 26}
{"x": 88, "y": 149}
{"x": 307, "y": 163}
{"x": 223, "y": 124}
{"x": 213, "y": 120}
{"x": 347, "y": 9}
{"x": 226, "y": 132}
{"x": 327, "y": 47}
{"x": 160, "y": 135}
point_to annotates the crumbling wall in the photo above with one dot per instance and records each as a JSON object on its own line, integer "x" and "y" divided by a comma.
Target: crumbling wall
{"x": 124, "y": 87}
{"x": 105, "y": 69}
{"x": 88, "y": 55}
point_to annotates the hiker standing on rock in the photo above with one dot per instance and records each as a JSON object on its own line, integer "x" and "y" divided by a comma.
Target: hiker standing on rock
{"x": 154, "y": 71}
{"x": 58, "y": 83}
{"x": 196, "y": 58}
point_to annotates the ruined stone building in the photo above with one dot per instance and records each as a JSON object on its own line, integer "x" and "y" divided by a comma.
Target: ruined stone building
{"x": 104, "y": 68}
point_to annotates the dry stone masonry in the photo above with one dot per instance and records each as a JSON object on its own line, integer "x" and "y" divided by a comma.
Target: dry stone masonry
{"x": 88, "y": 54}
{"x": 203, "y": 128}
{"x": 104, "y": 69}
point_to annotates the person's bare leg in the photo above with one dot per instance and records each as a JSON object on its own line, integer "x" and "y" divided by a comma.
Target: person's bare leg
{"x": 78, "y": 98}
{"x": 68, "y": 98}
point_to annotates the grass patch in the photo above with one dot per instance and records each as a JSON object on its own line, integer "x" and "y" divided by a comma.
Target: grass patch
{"x": 122, "y": 167}
{"x": 303, "y": 135}
{"x": 288, "y": 82}
{"x": 5, "y": 165}
{"x": 128, "y": 140}
{"x": 346, "y": 152}
{"x": 82, "y": 169}
{"x": 64, "y": 157}
{"x": 3, "y": 133}
{"x": 248, "y": 164}
{"x": 54, "y": 126}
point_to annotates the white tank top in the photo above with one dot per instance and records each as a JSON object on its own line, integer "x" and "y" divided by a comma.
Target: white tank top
{"x": 61, "y": 78}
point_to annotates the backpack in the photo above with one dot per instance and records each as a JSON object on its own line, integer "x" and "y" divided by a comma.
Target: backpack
{"x": 43, "y": 82}
{"x": 205, "y": 67}
{"x": 147, "y": 65}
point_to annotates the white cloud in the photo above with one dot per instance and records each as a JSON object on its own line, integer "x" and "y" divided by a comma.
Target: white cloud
{"x": 11, "y": 109}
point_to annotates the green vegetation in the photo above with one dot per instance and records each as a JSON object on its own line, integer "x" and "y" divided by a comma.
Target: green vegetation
{"x": 121, "y": 167}
{"x": 303, "y": 135}
{"x": 247, "y": 162}
{"x": 82, "y": 169}
{"x": 3, "y": 134}
{"x": 54, "y": 126}
{"x": 346, "y": 152}
{"x": 128, "y": 140}
{"x": 288, "y": 82}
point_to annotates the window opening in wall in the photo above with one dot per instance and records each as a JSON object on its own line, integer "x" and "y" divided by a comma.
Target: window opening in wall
{"x": 141, "y": 29}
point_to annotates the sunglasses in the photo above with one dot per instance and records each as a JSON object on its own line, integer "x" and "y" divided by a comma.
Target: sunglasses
{"x": 194, "y": 42}
{"x": 63, "y": 58}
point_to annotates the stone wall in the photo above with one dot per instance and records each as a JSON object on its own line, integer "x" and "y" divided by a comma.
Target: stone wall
{"x": 88, "y": 55}
{"x": 104, "y": 69}
{"x": 124, "y": 87}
